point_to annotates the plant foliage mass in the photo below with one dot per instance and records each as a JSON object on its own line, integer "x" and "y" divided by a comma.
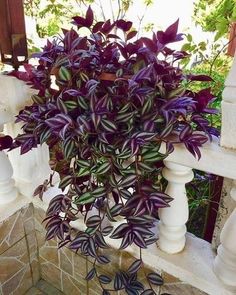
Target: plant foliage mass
{"x": 111, "y": 108}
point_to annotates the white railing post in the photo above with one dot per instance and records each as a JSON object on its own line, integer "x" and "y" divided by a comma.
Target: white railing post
{"x": 225, "y": 262}
{"x": 8, "y": 192}
{"x": 172, "y": 228}
{"x": 30, "y": 169}
{"x": 228, "y": 110}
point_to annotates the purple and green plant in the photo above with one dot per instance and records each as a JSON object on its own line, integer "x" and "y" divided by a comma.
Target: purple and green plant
{"x": 114, "y": 103}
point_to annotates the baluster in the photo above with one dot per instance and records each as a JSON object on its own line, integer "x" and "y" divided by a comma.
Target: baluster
{"x": 225, "y": 262}
{"x": 8, "y": 192}
{"x": 172, "y": 228}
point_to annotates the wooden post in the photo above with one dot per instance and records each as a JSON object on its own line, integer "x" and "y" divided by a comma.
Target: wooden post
{"x": 13, "y": 44}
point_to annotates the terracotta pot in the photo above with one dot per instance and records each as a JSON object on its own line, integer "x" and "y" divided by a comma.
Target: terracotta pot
{"x": 112, "y": 77}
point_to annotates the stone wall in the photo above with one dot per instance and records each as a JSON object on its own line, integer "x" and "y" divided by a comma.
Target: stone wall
{"x": 25, "y": 258}
{"x": 19, "y": 267}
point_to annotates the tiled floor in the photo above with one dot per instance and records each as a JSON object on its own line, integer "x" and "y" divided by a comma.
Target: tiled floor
{"x": 43, "y": 288}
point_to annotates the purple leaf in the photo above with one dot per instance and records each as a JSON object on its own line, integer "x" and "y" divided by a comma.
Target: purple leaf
{"x": 89, "y": 16}
{"x": 104, "y": 279}
{"x": 149, "y": 44}
{"x": 155, "y": 279}
{"x": 5, "y": 142}
{"x": 120, "y": 231}
{"x": 203, "y": 78}
{"x": 93, "y": 221}
{"x": 97, "y": 27}
{"x": 91, "y": 274}
{"x": 123, "y": 25}
{"x": 118, "y": 282}
{"x": 127, "y": 181}
{"x": 170, "y": 35}
{"x": 131, "y": 35}
{"x": 135, "y": 266}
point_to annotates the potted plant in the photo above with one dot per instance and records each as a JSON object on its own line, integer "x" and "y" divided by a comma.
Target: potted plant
{"x": 114, "y": 102}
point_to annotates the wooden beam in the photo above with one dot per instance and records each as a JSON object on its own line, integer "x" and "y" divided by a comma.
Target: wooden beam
{"x": 13, "y": 43}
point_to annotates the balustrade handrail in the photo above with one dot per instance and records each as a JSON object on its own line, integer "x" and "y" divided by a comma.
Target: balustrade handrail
{"x": 214, "y": 159}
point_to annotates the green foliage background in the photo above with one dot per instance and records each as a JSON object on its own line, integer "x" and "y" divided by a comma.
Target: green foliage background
{"x": 215, "y": 15}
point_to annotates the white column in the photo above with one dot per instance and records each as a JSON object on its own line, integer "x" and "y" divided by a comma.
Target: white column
{"x": 172, "y": 228}
{"x": 228, "y": 110}
{"x": 225, "y": 262}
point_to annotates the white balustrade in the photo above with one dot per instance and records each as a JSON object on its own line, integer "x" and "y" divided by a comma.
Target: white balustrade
{"x": 228, "y": 110}
{"x": 225, "y": 262}
{"x": 8, "y": 192}
{"x": 172, "y": 228}
{"x": 30, "y": 169}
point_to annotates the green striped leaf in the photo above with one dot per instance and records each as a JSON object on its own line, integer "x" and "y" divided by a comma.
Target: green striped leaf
{"x": 153, "y": 156}
{"x": 71, "y": 104}
{"x": 96, "y": 119}
{"x": 83, "y": 171}
{"x": 93, "y": 221}
{"x": 116, "y": 209}
{"x": 82, "y": 102}
{"x": 68, "y": 148}
{"x": 124, "y": 117}
{"x": 109, "y": 215}
{"x": 84, "y": 77}
{"x": 44, "y": 136}
{"x": 147, "y": 106}
{"x": 99, "y": 192}
{"x": 86, "y": 198}
{"x": 91, "y": 230}
{"x": 108, "y": 125}
{"x": 124, "y": 108}
{"x": 38, "y": 99}
{"x": 146, "y": 167}
{"x": 125, "y": 194}
{"x": 128, "y": 181}
{"x": 61, "y": 105}
{"x": 64, "y": 74}
{"x": 125, "y": 154}
{"x": 67, "y": 180}
{"x": 83, "y": 163}
{"x": 112, "y": 180}
{"x": 103, "y": 168}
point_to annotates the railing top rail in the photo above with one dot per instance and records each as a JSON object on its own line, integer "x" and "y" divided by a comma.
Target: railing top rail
{"x": 214, "y": 159}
